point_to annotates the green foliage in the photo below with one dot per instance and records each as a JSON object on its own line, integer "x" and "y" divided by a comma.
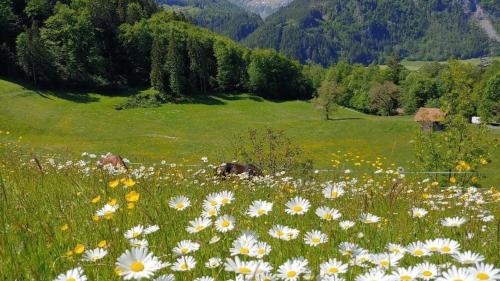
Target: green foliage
{"x": 385, "y": 98}
{"x": 462, "y": 148}
{"x": 32, "y": 56}
{"x": 274, "y": 76}
{"x": 231, "y": 66}
{"x": 272, "y": 151}
{"x": 327, "y": 98}
{"x": 490, "y": 99}
{"x": 368, "y": 31}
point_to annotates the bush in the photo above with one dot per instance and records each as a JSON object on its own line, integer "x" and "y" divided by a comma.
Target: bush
{"x": 272, "y": 151}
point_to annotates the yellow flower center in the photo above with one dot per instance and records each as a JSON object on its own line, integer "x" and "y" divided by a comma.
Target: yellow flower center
{"x": 71, "y": 279}
{"x": 333, "y": 270}
{"x": 260, "y": 212}
{"x": 482, "y": 276}
{"x": 297, "y": 209}
{"x": 198, "y": 228}
{"x": 137, "y": 266}
{"x": 405, "y": 278}
{"x": 261, "y": 251}
{"x": 245, "y": 270}
{"x": 135, "y": 234}
{"x": 433, "y": 248}
{"x": 108, "y": 215}
{"x": 225, "y": 200}
{"x": 225, "y": 223}
{"x": 427, "y": 273}
{"x": 291, "y": 274}
{"x": 244, "y": 250}
{"x": 458, "y": 279}
{"x": 334, "y": 194}
{"x": 446, "y": 249}
{"x": 184, "y": 266}
{"x": 384, "y": 263}
{"x": 184, "y": 250}
{"x": 179, "y": 205}
{"x": 280, "y": 233}
{"x": 315, "y": 240}
{"x": 419, "y": 253}
{"x": 328, "y": 216}
{"x": 211, "y": 212}
{"x": 213, "y": 203}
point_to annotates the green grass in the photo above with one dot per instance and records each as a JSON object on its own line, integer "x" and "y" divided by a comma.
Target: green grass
{"x": 415, "y": 65}
{"x": 35, "y": 207}
{"x": 72, "y": 123}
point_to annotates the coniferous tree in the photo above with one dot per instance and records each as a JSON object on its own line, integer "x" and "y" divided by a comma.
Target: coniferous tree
{"x": 158, "y": 74}
{"x": 176, "y": 67}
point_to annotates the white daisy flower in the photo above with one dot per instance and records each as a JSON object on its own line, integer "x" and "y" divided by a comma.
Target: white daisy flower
{"x": 184, "y": 263}
{"x": 259, "y": 208}
{"x": 434, "y": 245}
{"x": 165, "y": 277}
{"x": 449, "y": 247}
{"x": 107, "y": 211}
{"x": 332, "y": 267}
{"x": 385, "y": 261}
{"x": 297, "y": 206}
{"x": 395, "y": 248}
{"x": 151, "y": 229}
{"x": 263, "y": 249}
{"x": 138, "y": 243}
{"x": 454, "y": 274}
{"x": 292, "y": 269}
{"x": 406, "y": 274}
{"x": 417, "y": 249}
{"x": 428, "y": 271}
{"x": 348, "y": 249}
{"x": 138, "y": 263}
{"x": 283, "y": 232}
{"x": 210, "y": 211}
{"x": 328, "y": 214}
{"x": 179, "y": 203}
{"x": 225, "y": 223}
{"x": 213, "y": 200}
{"x": 369, "y": 218}
{"x": 198, "y": 225}
{"x": 468, "y": 258}
{"x": 213, "y": 262}
{"x": 453, "y": 222}
{"x": 185, "y": 247}
{"x": 95, "y": 254}
{"x": 243, "y": 247}
{"x": 134, "y": 232}
{"x": 485, "y": 272}
{"x": 418, "y": 212}
{"x": 240, "y": 267}
{"x": 334, "y": 191}
{"x": 226, "y": 197}
{"x": 204, "y": 278}
{"x": 345, "y": 225}
{"x": 373, "y": 275}
{"x": 75, "y": 274}
{"x": 315, "y": 237}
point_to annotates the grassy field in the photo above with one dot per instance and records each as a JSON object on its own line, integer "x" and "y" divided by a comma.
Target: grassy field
{"x": 75, "y": 219}
{"x": 415, "y": 65}
{"x": 73, "y": 123}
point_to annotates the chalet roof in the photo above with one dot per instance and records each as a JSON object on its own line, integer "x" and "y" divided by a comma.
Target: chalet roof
{"x": 429, "y": 114}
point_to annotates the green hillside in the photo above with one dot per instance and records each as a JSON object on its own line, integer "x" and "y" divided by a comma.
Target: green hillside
{"x": 72, "y": 123}
{"x": 368, "y": 31}
{"x": 220, "y": 16}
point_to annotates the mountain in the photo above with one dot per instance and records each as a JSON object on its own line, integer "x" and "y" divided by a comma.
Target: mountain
{"x": 367, "y": 31}
{"x": 220, "y": 16}
{"x": 264, "y": 8}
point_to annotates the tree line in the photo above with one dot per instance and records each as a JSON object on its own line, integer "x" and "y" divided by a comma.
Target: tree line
{"x": 129, "y": 43}
{"x": 458, "y": 88}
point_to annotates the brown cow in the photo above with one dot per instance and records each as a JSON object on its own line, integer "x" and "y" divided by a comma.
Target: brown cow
{"x": 114, "y": 160}
{"x": 227, "y": 169}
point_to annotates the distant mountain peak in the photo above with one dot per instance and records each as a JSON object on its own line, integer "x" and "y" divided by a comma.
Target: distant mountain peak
{"x": 264, "y": 8}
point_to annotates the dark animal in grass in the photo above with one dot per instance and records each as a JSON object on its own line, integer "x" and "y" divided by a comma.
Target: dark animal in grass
{"x": 114, "y": 160}
{"x": 228, "y": 169}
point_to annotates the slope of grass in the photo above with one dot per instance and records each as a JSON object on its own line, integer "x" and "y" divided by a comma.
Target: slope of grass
{"x": 73, "y": 123}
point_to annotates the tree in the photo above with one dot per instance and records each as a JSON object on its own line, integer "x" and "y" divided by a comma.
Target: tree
{"x": 489, "y": 107}
{"x": 231, "y": 66}
{"x": 158, "y": 76}
{"x": 385, "y": 97}
{"x": 395, "y": 71}
{"x": 327, "y": 97}
{"x": 274, "y": 76}
{"x": 32, "y": 56}
{"x": 176, "y": 67}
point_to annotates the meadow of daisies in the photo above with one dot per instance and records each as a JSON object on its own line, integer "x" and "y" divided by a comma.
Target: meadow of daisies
{"x": 70, "y": 220}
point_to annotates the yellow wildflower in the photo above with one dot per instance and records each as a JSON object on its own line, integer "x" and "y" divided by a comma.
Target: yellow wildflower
{"x": 113, "y": 183}
{"x": 96, "y": 199}
{"x": 102, "y": 244}
{"x": 80, "y": 248}
{"x": 132, "y": 196}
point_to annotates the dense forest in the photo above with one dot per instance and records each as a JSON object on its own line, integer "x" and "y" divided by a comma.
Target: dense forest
{"x": 124, "y": 43}
{"x": 326, "y": 31}
{"x": 220, "y": 16}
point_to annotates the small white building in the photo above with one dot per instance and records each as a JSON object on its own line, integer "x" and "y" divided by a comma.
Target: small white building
{"x": 476, "y": 120}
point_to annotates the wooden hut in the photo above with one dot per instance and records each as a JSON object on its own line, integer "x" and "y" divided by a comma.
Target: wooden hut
{"x": 430, "y": 119}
